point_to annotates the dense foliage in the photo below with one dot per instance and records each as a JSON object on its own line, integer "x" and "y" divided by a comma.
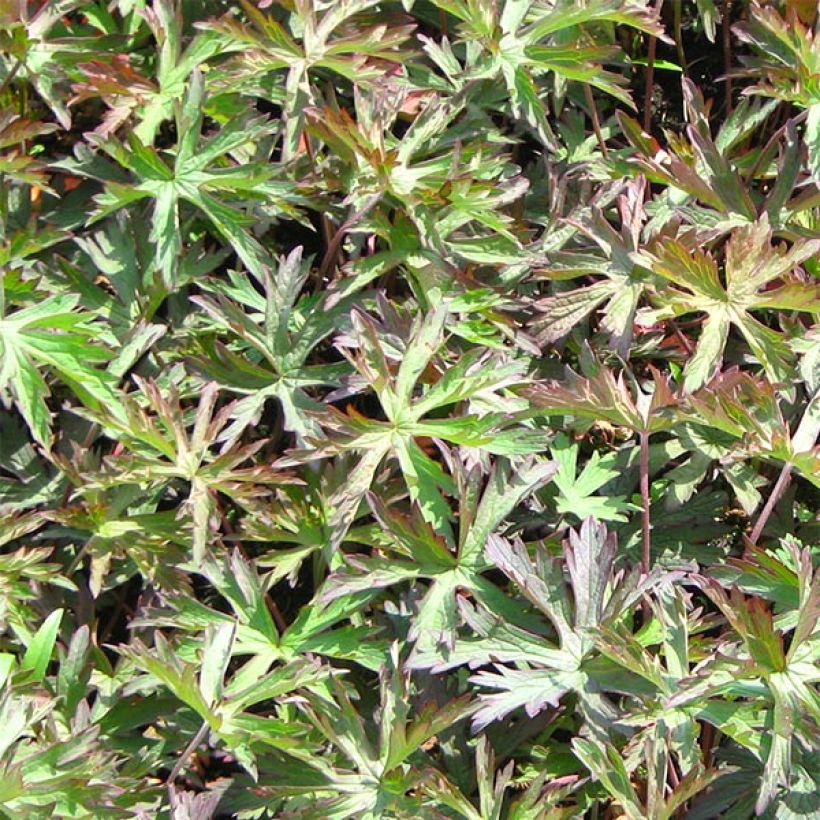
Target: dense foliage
{"x": 409, "y": 409}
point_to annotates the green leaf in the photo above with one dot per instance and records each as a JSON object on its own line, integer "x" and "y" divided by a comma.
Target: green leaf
{"x": 607, "y": 766}
{"x": 505, "y": 489}
{"x": 41, "y": 646}
{"x": 752, "y": 263}
{"x": 576, "y": 494}
{"x": 813, "y": 139}
{"x": 590, "y": 555}
{"x": 216, "y": 655}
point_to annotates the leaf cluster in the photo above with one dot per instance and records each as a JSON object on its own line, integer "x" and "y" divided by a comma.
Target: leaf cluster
{"x": 394, "y": 426}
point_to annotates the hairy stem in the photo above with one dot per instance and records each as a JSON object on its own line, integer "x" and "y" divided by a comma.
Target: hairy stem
{"x": 679, "y": 34}
{"x": 726, "y": 33}
{"x": 329, "y": 260}
{"x": 650, "y": 76}
{"x": 777, "y": 491}
{"x": 10, "y": 77}
{"x": 596, "y": 122}
{"x": 650, "y": 81}
{"x": 324, "y": 221}
{"x": 189, "y": 750}
{"x": 646, "y": 521}
{"x": 707, "y": 739}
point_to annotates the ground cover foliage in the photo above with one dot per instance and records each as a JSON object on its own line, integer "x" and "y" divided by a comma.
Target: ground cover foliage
{"x": 409, "y": 409}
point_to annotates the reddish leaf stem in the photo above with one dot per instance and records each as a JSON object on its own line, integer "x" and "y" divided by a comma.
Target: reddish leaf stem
{"x": 682, "y": 338}
{"x": 646, "y": 522}
{"x": 325, "y": 222}
{"x": 189, "y": 750}
{"x": 777, "y": 491}
{"x": 330, "y": 258}
{"x": 596, "y": 122}
{"x": 707, "y": 739}
{"x": 650, "y": 76}
{"x": 276, "y": 614}
{"x": 727, "y": 53}
{"x": 650, "y": 81}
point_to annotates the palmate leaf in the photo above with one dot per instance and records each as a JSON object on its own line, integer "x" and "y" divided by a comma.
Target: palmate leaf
{"x": 203, "y": 174}
{"x": 543, "y": 671}
{"x": 787, "y": 676}
{"x": 279, "y": 333}
{"x": 316, "y": 631}
{"x": 607, "y": 765}
{"x": 605, "y": 397}
{"x": 707, "y": 446}
{"x": 665, "y": 731}
{"x": 779, "y": 578}
{"x": 441, "y": 200}
{"x": 706, "y": 181}
{"x": 311, "y": 231}
{"x": 50, "y": 774}
{"x": 51, "y": 334}
{"x": 423, "y": 553}
{"x": 367, "y": 768}
{"x": 714, "y": 183}
{"x": 748, "y": 409}
{"x": 394, "y": 774}
{"x": 625, "y": 281}
{"x": 525, "y": 40}
{"x": 752, "y": 264}
{"x": 116, "y": 278}
{"x": 159, "y": 448}
{"x": 118, "y": 542}
{"x": 576, "y": 494}
{"x": 44, "y": 42}
{"x": 220, "y": 704}
{"x": 590, "y": 554}
{"x": 756, "y": 691}
{"x": 148, "y": 99}
{"x": 427, "y": 481}
{"x": 328, "y": 42}
{"x": 788, "y": 57}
